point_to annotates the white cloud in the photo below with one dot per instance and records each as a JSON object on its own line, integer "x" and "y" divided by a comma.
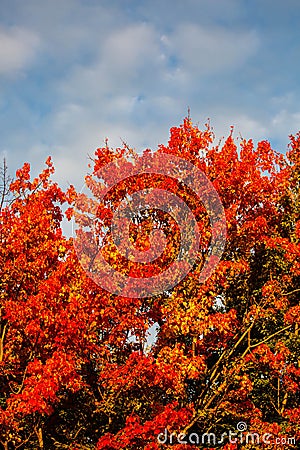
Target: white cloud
{"x": 128, "y": 48}
{"x": 285, "y": 123}
{"x": 206, "y": 50}
{"x": 127, "y": 60}
{"x": 18, "y": 47}
{"x": 248, "y": 127}
{"x": 120, "y": 70}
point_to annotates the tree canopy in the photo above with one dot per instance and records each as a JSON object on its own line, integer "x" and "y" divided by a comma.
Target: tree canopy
{"x": 78, "y": 369}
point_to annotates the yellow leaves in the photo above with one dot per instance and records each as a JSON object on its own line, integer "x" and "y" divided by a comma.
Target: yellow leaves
{"x": 177, "y": 365}
{"x": 195, "y": 368}
{"x": 184, "y": 315}
{"x": 184, "y": 326}
{"x": 62, "y": 250}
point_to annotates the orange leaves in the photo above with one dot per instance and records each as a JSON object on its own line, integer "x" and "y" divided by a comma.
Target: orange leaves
{"x": 33, "y": 273}
{"x": 23, "y": 183}
{"x": 137, "y": 371}
{"x": 224, "y": 323}
{"x": 184, "y": 316}
{"x": 78, "y": 359}
{"x": 294, "y": 149}
{"x": 276, "y": 360}
{"x": 293, "y": 315}
{"x": 176, "y": 365}
{"x": 42, "y": 383}
{"x": 145, "y": 435}
{"x": 266, "y": 157}
{"x": 188, "y": 141}
{"x": 293, "y": 415}
{"x": 24, "y": 173}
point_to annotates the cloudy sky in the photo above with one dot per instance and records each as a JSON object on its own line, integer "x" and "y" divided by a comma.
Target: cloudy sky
{"x": 74, "y": 72}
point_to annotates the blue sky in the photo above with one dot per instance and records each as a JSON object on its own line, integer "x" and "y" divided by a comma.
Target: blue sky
{"x": 73, "y": 72}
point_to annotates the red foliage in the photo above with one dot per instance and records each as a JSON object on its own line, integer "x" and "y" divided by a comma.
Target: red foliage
{"x": 77, "y": 368}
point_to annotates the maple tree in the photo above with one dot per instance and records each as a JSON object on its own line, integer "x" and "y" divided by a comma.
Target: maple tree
{"x": 77, "y": 368}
